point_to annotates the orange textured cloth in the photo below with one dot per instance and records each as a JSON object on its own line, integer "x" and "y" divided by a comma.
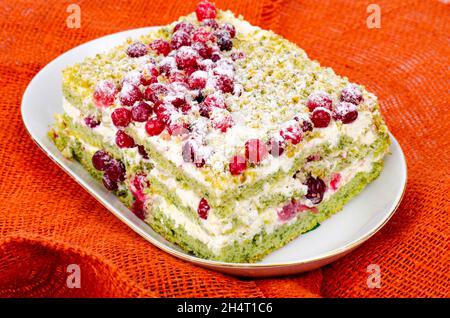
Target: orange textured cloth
{"x": 47, "y": 221}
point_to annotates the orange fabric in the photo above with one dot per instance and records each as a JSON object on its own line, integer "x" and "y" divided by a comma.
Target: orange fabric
{"x": 47, "y": 221}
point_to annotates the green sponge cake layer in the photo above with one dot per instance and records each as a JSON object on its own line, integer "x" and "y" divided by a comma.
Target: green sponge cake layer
{"x": 225, "y": 138}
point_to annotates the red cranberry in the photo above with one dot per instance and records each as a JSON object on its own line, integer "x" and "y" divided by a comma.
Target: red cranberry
{"x": 154, "y": 126}
{"x": 237, "y": 165}
{"x": 161, "y": 47}
{"x": 321, "y": 117}
{"x": 138, "y": 183}
{"x": 134, "y": 78}
{"x": 316, "y": 189}
{"x": 141, "y": 112}
{"x": 123, "y": 140}
{"x": 180, "y": 39}
{"x": 130, "y": 94}
{"x": 149, "y": 74}
{"x": 167, "y": 65}
{"x": 121, "y": 117}
{"x": 205, "y": 10}
{"x": 155, "y": 92}
{"x": 230, "y": 29}
{"x": 186, "y": 57}
{"x": 137, "y": 50}
{"x": 352, "y": 94}
{"x": 345, "y": 112}
{"x": 203, "y": 209}
{"x": 276, "y": 146}
{"x": 288, "y": 211}
{"x": 335, "y": 179}
{"x": 202, "y": 49}
{"x": 201, "y": 35}
{"x": 210, "y": 23}
{"x": 184, "y": 26}
{"x": 198, "y": 80}
{"x": 109, "y": 184}
{"x": 91, "y": 122}
{"x": 162, "y": 112}
{"x": 319, "y": 99}
{"x": 138, "y": 209}
{"x": 101, "y": 160}
{"x": 255, "y": 151}
{"x": 115, "y": 171}
{"x": 224, "y": 40}
{"x": 224, "y": 83}
{"x": 104, "y": 94}
{"x": 142, "y": 152}
{"x": 292, "y": 133}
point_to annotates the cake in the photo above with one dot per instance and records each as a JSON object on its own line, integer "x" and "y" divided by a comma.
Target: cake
{"x": 224, "y": 138}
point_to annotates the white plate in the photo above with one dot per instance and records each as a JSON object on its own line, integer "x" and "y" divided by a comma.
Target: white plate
{"x": 337, "y": 236}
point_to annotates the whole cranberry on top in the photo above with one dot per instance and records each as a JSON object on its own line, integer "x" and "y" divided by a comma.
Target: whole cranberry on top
{"x": 137, "y": 49}
{"x": 186, "y": 57}
{"x": 321, "y": 117}
{"x": 201, "y": 35}
{"x": 205, "y": 10}
{"x": 185, "y": 26}
{"x": 130, "y": 94}
{"x": 210, "y": 23}
{"x": 121, "y": 117}
{"x": 160, "y": 47}
{"x": 154, "y": 126}
{"x": 352, "y": 94}
{"x": 319, "y": 99}
{"x": 105, "y": 93}
{"x": 345, "y": 112}
{"x": 179, "y": 39}
{"x": 141, "y": 112}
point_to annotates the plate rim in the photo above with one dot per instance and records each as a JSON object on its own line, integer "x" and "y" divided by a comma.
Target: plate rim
{"x": 213, "y": 264}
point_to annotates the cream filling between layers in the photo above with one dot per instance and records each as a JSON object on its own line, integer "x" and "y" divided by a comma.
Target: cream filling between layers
{"x": 253, "y": 222}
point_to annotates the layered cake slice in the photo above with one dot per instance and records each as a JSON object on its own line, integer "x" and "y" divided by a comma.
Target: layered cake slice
{"x": 225, "y": 138}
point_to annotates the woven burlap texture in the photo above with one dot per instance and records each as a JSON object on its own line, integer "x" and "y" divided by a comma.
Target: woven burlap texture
{"x": 47, "y": 221}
